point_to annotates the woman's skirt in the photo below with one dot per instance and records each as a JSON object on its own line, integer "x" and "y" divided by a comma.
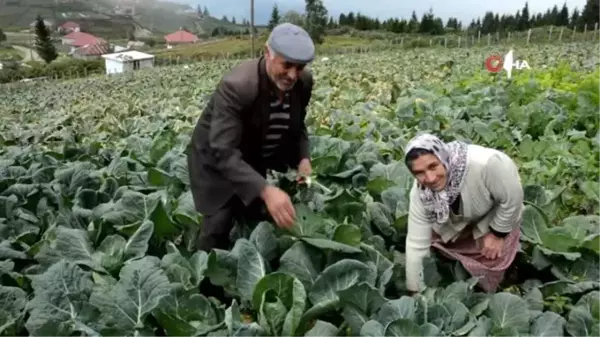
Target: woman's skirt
{"x": 467, "y": 251}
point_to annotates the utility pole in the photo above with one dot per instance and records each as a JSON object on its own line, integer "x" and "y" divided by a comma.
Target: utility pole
{"x": 252, "y": 27}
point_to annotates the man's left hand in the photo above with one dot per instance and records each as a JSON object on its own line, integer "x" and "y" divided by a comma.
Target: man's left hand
{"x": 304, "y": 169}
{"x": 492, "y": 246}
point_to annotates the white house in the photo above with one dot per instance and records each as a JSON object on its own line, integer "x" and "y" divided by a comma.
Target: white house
{"x": 127, "y": 61}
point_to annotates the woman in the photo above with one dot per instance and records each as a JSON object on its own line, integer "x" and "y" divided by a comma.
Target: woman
{"x": 467, "y": 202}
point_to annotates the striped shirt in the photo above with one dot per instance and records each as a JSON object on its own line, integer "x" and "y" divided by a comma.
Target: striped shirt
{"x": 279, "y": 119}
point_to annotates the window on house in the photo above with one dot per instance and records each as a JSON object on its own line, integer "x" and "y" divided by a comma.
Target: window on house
{"x": 136, "y": 65}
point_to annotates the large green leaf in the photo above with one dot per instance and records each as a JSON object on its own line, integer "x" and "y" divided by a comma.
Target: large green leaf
{"x": 140, "y": 289}
{"x": 62, "y": 304}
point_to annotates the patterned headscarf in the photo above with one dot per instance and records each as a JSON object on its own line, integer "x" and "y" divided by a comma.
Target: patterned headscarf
{"x": 454, "y": 157}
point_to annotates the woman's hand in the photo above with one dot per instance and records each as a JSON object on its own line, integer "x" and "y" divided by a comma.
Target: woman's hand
{"x": 492, "y": 246}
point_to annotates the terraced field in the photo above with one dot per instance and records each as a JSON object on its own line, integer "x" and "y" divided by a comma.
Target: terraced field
{"x": 97, "y": 224}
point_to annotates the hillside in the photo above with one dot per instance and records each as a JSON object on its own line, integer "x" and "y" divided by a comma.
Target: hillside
{"x": 100, "y": 16}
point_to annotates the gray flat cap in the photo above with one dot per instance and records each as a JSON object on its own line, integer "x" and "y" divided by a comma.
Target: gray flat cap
{"x": 292, "y": 42}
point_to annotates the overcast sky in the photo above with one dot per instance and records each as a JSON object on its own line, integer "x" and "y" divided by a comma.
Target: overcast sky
{"x": 464, "y": 10}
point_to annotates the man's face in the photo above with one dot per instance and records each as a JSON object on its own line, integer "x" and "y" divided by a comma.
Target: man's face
{"x": 282, "y": 72}
{"x": 429, "y": 171}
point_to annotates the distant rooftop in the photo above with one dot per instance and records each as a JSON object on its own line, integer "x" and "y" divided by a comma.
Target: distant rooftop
{"x": 132, "y": 55}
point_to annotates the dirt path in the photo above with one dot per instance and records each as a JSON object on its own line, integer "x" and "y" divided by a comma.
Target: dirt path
{"x": 28, "y": 53}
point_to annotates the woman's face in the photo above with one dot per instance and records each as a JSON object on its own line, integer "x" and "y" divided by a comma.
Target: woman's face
{"x": 429, "y": 171}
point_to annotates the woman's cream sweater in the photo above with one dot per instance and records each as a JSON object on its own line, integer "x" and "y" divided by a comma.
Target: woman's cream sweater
{"x": 492, "y": 195}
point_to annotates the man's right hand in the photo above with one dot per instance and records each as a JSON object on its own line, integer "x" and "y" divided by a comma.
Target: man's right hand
{"x": 279, "y": 206}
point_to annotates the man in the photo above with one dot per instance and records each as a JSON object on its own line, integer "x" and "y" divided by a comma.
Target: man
{"x": 253, "y": 122}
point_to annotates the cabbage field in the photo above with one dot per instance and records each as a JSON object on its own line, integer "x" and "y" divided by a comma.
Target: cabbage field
{"x": 97, "y": 224}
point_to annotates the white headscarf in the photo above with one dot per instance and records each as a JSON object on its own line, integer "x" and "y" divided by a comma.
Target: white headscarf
{"x": 454, "y": 158}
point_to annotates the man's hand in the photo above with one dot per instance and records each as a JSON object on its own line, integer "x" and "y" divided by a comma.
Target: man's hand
{"x": 304, "y": 169}
{"x": 492, "y": 246}
{"x": 279, "y": 206}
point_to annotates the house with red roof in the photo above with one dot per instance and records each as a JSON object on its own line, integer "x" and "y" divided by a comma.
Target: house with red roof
{"x": 180, "y": 37}
{"x": 80, "y": 39}
{"x": 91, "y": 51}
{"x": 69, "y": 27}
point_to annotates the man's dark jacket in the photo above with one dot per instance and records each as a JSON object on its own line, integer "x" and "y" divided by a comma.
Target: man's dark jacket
{"x": 224, "y": 155}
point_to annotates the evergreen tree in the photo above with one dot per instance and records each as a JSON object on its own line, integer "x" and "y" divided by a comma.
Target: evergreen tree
{"x": 206, "y": 13}
{"x": 2, "y": 36}
{"x": 316, "y": 20}
{"x": 489, "y": 23}
{"x": 43, "y": 42}
{"x": 523, "y": 21}
{"x": 331, "y": 23}
{"x": 590, "y": 14}
{"x": 554, "y": 15}
{"x": 350, "y": 21}
{"x": 233, "y": 20}
{"x": 275, "y": 19}
{"x": 563, "y": 16}
{"x": 413, "y": 24}
{"x": 426, "y": 23}
{"x": 575, "y": 18}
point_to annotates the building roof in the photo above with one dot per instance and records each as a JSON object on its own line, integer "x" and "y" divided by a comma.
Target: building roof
{"x": 81, "y": 39}
{"x": 96, "y": 49}
{"x": 128, "y": 56}
{"x": 69, "y": 24}
{"x": 181, "y": 36}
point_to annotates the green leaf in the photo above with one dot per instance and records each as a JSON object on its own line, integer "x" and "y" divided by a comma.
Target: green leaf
{"x": 548, "y": 324}
{"x": 324, "y": 329}
{"x": 186, "y": 313}
{"x": 403, "y": 327}
{"x": 335, "y": 278}
{"x": 141, "y": 287}
{"x": 13, "y": 301}
{"x": 250, "y": 269}
{"x": 347, "y": 234}
{"x": 61, "y": 303}
{"x": 509, "y": 311}
{"x": 302, "y": 261}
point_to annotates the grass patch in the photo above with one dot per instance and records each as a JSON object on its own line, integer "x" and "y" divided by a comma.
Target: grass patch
{"x": 8, "y": 53}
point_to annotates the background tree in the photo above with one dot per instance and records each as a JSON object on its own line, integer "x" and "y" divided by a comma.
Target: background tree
{"x": 316, "y": 20}
{"x": 524, "y": 18}
{"x": 293, "y": 17}
{"x": 563, "y": 16}
{"x": 590, "y": 14}
{"x": 431, "y": 25}
{"x": 413, "y": 24}
{"x": 2, "y": 36}
{"x": 274, "y": 21}
{"x": 575, "y": 18}
{"x": 43, "y": 42}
